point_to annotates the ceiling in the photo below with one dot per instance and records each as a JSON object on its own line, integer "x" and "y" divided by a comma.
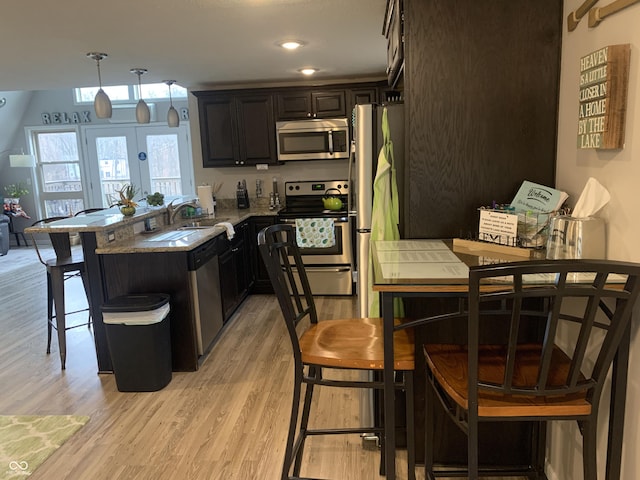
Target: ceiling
{"x": 199, "y": 43}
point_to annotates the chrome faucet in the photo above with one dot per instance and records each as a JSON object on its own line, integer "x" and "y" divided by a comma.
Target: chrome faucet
{"x": 172, "y": 211}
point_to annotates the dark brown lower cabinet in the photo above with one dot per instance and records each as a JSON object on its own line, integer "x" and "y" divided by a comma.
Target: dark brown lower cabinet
{"x": 261, "y": 283}
{"x": 235, "y": 273}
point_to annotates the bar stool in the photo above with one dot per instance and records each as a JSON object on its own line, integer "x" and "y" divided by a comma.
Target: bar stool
{"x": 348, "y": 344}
{"x": 64, "y": 266}
{"x": 561, "y": 376}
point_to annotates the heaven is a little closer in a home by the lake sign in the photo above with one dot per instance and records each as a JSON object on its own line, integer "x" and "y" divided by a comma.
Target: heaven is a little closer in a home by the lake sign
{"x": 604, "y": 80}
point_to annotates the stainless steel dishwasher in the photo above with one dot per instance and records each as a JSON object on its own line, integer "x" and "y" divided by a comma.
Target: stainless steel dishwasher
{"x": 205, "y": 288}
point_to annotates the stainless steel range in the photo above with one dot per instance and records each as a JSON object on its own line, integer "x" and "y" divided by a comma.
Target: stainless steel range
{"x": 329, "y": 268}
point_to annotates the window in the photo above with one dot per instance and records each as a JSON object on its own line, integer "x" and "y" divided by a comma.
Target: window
{"x": 87, "y": 95}
{"x": 58, "y": 169}
{"x": 129, "y": 93}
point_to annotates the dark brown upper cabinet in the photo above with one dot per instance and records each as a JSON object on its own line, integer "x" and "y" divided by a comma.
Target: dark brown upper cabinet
{"x": 303, "y": 104}
{"x": 236, "y": 129}
{"x": 358, "y": 96}
{"x": 256, "y": 129}
{"x": 393, "y": 32}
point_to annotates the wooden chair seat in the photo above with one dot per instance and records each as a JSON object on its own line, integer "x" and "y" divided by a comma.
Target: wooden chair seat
{"x": 450, "y": 366}
{"x": 354, "y": 343}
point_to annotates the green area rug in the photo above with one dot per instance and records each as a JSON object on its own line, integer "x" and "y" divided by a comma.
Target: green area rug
{"x": 27, "y": 440}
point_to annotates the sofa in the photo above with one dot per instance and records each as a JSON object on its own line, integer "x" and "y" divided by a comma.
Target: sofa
{"x": 4, "y": 234}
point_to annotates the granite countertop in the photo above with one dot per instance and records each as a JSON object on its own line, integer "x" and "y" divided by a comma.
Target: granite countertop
{"x": 169, "y": 238}
{"x": 96, "y": 221}
{"x": 131, "y": 237}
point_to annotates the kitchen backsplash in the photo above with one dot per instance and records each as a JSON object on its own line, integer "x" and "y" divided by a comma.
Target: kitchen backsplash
{"x": 300, "y": 170}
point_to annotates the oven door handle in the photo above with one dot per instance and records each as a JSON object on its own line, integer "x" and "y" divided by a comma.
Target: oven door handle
{"x": 323, "y": 269}
{"x": 293, "y": 220}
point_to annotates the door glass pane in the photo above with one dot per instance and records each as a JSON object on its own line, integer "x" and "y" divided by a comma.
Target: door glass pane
{"x": 113, "y": 165}
{"x": 164, "y": 164}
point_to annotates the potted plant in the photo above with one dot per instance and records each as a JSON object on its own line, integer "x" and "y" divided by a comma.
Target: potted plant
{"x": 155, "y": 199}
{"x": 126, "y": 203}
{"x": 14, "y": 191}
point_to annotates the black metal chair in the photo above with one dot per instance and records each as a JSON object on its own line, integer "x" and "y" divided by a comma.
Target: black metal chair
{"x": 65, "y": 265}
{"x": 581, "y": 309}
{"x": 17, "y": 234}
{"x": 355, "y": 344}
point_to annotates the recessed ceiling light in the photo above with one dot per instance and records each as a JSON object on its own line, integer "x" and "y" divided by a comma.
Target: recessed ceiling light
{"x": 308, "y": 71}
{"x": 292, "y": 45}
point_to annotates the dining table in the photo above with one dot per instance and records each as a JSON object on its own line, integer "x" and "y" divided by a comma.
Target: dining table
{"x": 439, "y": 268}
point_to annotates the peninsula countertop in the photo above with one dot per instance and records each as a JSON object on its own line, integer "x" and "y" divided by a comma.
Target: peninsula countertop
{"x": 119, "y": 234}
{"x": 170, "y": 238}
{"x": 109, "y": 232}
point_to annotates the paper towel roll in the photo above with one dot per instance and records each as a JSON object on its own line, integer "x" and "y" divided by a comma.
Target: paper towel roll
{"x": 205, "y": 195}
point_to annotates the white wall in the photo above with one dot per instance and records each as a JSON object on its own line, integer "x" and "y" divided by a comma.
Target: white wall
{"x": 12, "y": 138}
{"x": 619, "y": 172}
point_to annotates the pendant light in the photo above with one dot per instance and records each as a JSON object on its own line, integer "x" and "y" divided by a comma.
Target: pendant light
{"x": 143, "y": 115}
{"x": 101, "y": 104}
{"x": 173, "y": 119}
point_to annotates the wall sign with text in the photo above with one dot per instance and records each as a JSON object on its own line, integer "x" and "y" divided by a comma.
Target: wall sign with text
{"x": 63, "y": 117}
{"x": 604, "y": 81}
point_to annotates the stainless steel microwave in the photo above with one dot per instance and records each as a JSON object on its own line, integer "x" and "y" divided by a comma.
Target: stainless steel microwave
{"x": 317, "y": 139}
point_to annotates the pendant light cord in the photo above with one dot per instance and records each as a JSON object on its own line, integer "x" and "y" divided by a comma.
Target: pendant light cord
{"x": 99, "y": 74}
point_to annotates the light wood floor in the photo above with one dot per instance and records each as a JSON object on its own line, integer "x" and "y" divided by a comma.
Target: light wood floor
{"x": 226, "y": 421}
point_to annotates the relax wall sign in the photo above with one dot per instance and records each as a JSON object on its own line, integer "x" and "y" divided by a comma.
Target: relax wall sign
{"x": 64, "y": 118}
{"x": 604, "y": 80}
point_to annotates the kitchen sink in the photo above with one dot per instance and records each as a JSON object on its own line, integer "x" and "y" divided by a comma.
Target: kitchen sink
{"x": 203, "y": 223}
{"x": 171, "y": 236}
{"x": 195, "y": 227}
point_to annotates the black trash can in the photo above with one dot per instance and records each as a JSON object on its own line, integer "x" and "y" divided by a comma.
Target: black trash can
{"x": 139, "y": 338}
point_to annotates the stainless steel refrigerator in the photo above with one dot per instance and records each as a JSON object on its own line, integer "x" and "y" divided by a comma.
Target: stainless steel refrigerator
{"x": 367, "y": 143}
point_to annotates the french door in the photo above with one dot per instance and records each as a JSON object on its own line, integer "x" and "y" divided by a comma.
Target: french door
{"x": 152, "y": 158}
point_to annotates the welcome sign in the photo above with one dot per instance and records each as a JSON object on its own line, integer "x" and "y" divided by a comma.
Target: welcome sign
{"x": 604, "y": 79}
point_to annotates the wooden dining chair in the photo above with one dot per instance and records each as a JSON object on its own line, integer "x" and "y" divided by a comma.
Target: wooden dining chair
{"x": 347, "y": 344}
{"x": 581, "y": 309}
{"x": 66, "y": 264}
